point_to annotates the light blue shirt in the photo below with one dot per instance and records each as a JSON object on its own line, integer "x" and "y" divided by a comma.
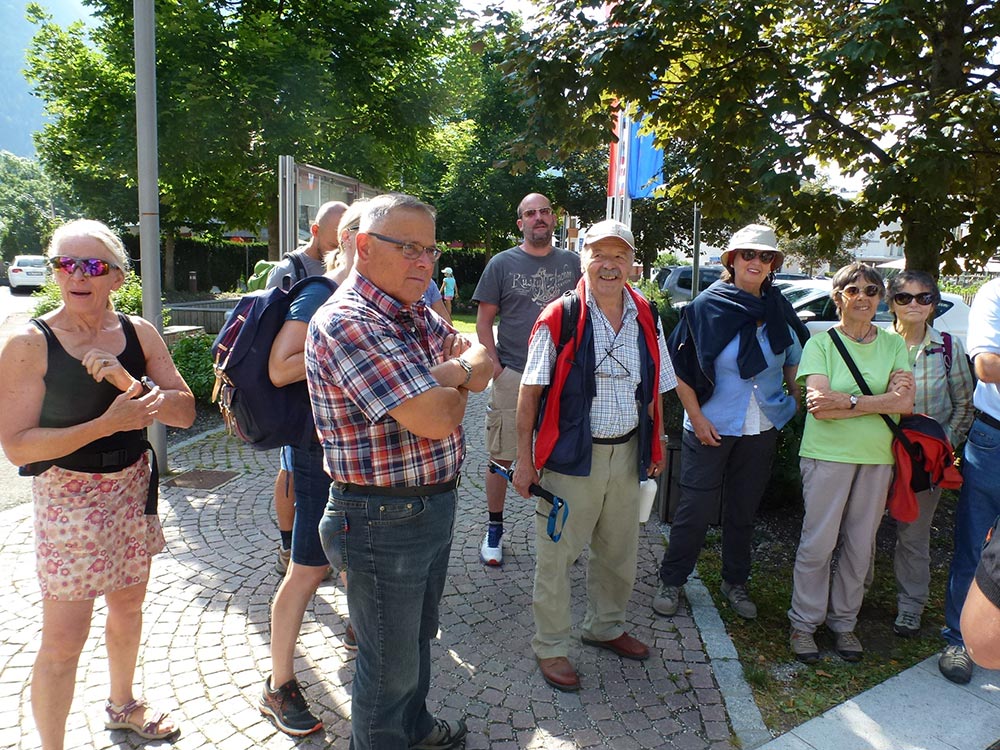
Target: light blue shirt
{"x": 727, "y": 408}
{"x": 984, "y": 336}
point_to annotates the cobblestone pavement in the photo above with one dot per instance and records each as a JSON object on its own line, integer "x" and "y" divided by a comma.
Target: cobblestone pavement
{"x": 205, "y": 649}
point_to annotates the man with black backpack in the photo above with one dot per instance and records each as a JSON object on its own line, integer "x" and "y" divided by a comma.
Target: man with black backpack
{"x": 308, "y": 260}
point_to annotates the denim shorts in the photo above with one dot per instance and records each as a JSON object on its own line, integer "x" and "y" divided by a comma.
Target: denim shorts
{"x": 312, "y": 490}
{"x": 285, "y": 458}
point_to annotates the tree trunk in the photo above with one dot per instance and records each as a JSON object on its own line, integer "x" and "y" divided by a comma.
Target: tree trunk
{"x": 169, "y": 272}
{"x": 921, "y": 240}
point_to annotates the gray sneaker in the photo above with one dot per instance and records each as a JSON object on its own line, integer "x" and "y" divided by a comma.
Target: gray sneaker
{"x": 907, "y": 624}
{"x": 803, "y": 645}
{"x": 848, "y": 646}
{"x": 284, "y": 557}
{"x": 667, "y": 599}
{"x": 956, "y": 664}
{"x": 445, "y": 735}
{"x": 739, "y": 599}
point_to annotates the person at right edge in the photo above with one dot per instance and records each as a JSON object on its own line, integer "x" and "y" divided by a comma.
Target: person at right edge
{"x": 597, "y": 439}
{"x": 979, "y": 499}
{"x": 515, "y": 285}
{"x": 735, "y": 351}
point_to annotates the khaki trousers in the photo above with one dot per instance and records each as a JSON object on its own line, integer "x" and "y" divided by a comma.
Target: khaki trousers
{"x": 844, "y": 505}
{"x": 604, "y": 513}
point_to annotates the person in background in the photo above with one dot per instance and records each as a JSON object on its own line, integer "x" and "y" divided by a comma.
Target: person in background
{"x": 79, "y": 386}
{"x": 981, "y": 613}
{"x": 943, "y": 392}
{"x": 736, "y": 351}
{"x": 282, "y": 700}
{"x": 449, "y": 289}
{"x": 599, "y": 437}
{"x": 979, "y": 498}
{"x": 846, "y": 460}
{"x": 323, "y": 238}
{"x": 516, "y": 285}
{"x": 389, "y": 384}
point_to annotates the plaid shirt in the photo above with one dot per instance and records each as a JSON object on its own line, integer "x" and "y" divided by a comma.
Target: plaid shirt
{"x": 945, "y": 396}
{"x": 365, "y": 355}
{"x": 614, "y": 410}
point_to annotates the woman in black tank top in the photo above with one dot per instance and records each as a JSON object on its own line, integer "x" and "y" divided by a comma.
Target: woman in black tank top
{"x": 79, "y": 386}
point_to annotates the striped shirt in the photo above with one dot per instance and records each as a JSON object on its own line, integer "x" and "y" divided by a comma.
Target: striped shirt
{"x": 366, "y": 354}
{"x": 614, "y": 410}
{"x": 945, "y": 396}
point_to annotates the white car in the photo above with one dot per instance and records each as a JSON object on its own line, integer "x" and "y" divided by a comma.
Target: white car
{"x": 27, "y": 272}
{"x": 811, "y": 301}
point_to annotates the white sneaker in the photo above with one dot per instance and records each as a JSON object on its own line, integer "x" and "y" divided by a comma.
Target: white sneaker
{"x": 491, "y": 550}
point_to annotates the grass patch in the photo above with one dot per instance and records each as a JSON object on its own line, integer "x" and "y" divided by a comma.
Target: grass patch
{"x": 464, "y": 322}
{"x": 788, "y": 692}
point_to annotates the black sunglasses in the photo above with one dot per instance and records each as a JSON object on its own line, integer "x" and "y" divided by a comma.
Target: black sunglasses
{"x": 905, "y": 298}
{"x": 870, "y": 290}
{"x": 90, "y": 266}
{"x": 766, "y": 256}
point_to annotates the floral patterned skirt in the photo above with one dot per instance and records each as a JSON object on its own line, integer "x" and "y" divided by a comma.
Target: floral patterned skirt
{"x": 91, "y": 534}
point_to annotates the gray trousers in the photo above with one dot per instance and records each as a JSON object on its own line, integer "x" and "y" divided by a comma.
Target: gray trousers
{"x": 844, "y": 504}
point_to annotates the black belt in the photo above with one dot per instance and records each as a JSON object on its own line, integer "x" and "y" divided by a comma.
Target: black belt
{"x": 615, "y": 440}
{"x": 991, "y": 421}
{"x": 369, "y": 489}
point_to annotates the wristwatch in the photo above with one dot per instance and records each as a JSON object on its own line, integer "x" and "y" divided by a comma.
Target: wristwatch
{"x": 854, "y": 400}
{"x": 147, "y": 384}
{"x": 468, "y": 370}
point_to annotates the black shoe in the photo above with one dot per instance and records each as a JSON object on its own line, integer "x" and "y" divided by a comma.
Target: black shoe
{"x": 444, "y": 736}
{"x": 956, "y": 664}
{"x": 288, "y": 709}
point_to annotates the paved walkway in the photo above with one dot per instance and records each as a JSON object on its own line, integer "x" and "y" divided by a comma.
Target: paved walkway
{"x": 206, "y": 635}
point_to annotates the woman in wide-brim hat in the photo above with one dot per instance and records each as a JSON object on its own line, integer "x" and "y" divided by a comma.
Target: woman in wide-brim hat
{"x": 735, "y": 352}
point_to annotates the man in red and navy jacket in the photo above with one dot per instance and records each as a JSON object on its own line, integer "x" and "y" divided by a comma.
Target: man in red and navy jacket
{"x": 596, "y": 407}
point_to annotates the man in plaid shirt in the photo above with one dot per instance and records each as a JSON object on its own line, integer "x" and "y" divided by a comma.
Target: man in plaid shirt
{"x": 389, "y": 381}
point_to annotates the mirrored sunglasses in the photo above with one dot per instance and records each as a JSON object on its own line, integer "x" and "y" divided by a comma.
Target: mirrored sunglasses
{"x": 766, "y": 256}
{"x": 89, "y": 266}
{"x": 530, "y": 213}
{"x": 869, "y": 290}
{"x": 905, "y": 298}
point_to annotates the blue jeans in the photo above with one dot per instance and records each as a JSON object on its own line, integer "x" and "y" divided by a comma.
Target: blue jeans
{"x": 312, "y": 488}
{"x": 978, "y": 507}
{"x": 395, "y": 551}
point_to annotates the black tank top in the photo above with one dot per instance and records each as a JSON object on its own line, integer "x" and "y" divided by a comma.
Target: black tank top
{"x": 72, "y": 396}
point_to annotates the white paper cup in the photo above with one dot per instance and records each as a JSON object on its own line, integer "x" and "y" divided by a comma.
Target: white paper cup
{"x": 647, "y": 496}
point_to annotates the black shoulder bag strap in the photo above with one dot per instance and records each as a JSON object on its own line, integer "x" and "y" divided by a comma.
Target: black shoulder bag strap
{"x": 915, "y": 453}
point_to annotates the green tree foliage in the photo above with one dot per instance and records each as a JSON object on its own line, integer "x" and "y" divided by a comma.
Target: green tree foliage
{"x": 341, "y": 84}
{"x": 754, "y": 95}
{"x": 30, "y": 206}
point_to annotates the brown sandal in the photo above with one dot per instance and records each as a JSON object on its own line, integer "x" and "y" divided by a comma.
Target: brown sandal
{"x": 118, "y": 718}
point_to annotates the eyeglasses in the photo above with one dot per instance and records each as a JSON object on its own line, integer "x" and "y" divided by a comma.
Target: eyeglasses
{"x": 766, "y": 256}
{"x": 905, "y": 298}
{"x": 90, "y": 266}
{"x": 410, "y": 250}
{"x": 869, "y": 290}
{"x": 530, "y": 213}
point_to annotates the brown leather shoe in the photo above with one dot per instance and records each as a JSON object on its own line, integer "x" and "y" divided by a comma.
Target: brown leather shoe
{"x": 559, "y": 673}
{"x": 624, "y": 645}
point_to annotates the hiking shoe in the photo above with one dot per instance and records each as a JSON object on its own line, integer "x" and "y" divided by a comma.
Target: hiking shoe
{"x": 284, "y": 557}
{"x": 847, "y": 646}
{"x": 491, "y": 550}
{"x": 287, "y": 708}
{"x": 739, "y": 599}
{"x": 907, "y": 624}
{"x": 349, "y": 640}
{"x": 445, "y": 735}
{"x": 667, "y": 599}
{"x": 956, "y": 664}
{"x": 803, "y": 645}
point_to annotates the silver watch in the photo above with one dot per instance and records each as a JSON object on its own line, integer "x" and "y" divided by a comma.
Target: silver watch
{"x": 468, "y": 370}
{"x": 854, "y": 400}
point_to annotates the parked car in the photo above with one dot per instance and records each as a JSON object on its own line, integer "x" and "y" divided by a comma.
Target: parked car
{"x": 678, "y": 282}
{"x": 27, "y": 272}
{"x": 811, "y": 301}
{"x": 789, "y": 276}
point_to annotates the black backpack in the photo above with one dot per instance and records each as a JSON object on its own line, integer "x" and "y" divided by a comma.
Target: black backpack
{"x": 254, "y": 409}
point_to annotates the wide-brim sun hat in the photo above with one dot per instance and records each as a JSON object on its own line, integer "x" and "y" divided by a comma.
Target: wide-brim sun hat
{"x": 753, "y": 237}
{"x": 609, "y": 228}
{"x": 446, "y": 272}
